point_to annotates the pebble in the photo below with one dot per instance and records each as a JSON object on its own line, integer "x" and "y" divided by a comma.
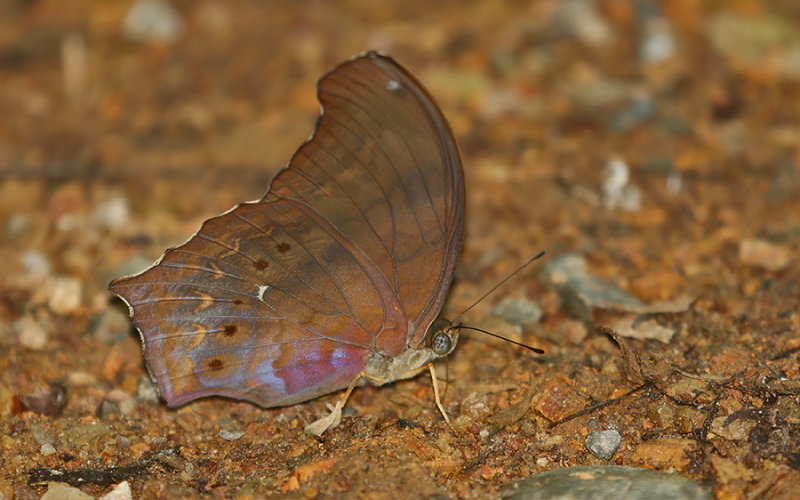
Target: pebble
{"x": 80, "y": 379}
{"x": 36, "y": 263}
{"x": 658, "y": 43}
{"x": 617, "y": 189}
{"x": 47, "y": 449}
{"x": 146, "y": 390}
{"x": 30, "y": 333}
{"x": 230, "y": 435}
{"x": 107, "y": 408}
{"x": 152, "y": 21}
{"x": 45, "y": 399}
{"x": 124, "y": 401}
{"x": 117, "y": 402}
{"x": 605, "y": 482}
{"x": 84, "y": 433}
{"x": 65, "y": 295}
{"x": 113, "y": 213}
{"x": 580, "y": 291}
{"x": 765, "y": 254}
{"x": 122, "y": 491}
{"x": 40, "y": 434}
{"x": 111, "y": 325}
{"x": 518, "y": 311}
{"x": 59, "y": 491}
{"x": 603, "y": 444}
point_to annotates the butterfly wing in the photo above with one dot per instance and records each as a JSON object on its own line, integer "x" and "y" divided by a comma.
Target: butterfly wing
{"x": 351, "y": 251}
{"x": 383, "y": 168}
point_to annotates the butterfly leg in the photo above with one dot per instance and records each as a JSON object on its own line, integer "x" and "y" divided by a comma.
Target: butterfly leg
{"x": 436, "y": 395}
{"x": 318, "y": 427}
{"x": 435, "y": 384}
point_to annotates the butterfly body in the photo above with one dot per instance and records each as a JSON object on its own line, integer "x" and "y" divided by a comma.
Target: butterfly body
{"x": 338, "y": 272}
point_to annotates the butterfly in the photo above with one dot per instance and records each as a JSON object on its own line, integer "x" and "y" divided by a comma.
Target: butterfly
{"x": 336, "y": 277}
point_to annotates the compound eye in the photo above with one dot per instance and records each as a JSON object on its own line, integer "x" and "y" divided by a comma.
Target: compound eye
{"x": 441, "y": 343}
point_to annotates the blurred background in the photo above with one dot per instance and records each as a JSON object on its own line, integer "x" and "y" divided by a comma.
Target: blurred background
{"x": 657, "y": 140}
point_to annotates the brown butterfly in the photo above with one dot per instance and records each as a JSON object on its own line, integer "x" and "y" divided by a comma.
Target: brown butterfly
{"x": 336, "y": 276}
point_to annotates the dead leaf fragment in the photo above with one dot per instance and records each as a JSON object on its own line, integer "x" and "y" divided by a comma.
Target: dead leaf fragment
{"x": 627, "y": 326}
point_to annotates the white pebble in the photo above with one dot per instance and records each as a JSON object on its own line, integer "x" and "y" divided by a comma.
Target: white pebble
{"x": 30, "y": 333}
{"x": 65, "y": 295}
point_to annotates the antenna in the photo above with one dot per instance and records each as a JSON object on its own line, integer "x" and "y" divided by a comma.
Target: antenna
{"x": 534, "y": 349}
{"x": 520, "y": 268}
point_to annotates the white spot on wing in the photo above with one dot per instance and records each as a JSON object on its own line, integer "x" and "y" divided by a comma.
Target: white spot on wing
{"x": 265, "y": 374}
{"x": 393, "y": 86}
{"x": 262, "y": 289}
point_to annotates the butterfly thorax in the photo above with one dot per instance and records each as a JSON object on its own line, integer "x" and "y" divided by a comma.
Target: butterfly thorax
{"x": 440, "y": 340}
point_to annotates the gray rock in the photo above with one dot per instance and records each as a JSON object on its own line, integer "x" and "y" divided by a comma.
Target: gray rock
{"x": 603, "y": 444}
{"x": 230, "y": 435}
{"x": 518, "y": 311}
{"x": 605, "y": 482}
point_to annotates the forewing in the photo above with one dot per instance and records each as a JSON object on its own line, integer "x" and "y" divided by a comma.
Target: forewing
{"x": 384, "y": 169}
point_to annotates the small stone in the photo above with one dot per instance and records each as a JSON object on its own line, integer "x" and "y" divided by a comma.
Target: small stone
{"x": 45, "y": 400}
{"x": 476, "y": 406}
{"x": 80, "y": 379}
{"x": 733, "y": 429}
{"x": 122, "y": 491}
{"x": 65, "y": 295}
{"x": 765, "y": 254}
{"x": 40, "y": 434}
{"x": 111, "y": 325}
{"x": 603, "y": 444}
{"x": 152, "y": 21}
{"x": 146, "y": 390}
{"x": 47, "y": 449}
{"x": 658, "y": 43}
{"x": 580, "y": 291}
{"x": 85, "y": 433}
{"x": 617, "y": 190}
{"x": 230, "y": 435}
{"x": 59, "y": 491}
{"x": 443, "y": 445}
{"x": 124, "y": 401}
{"x": 123, "y": 442}
{"x": 30, "y": 333}
{"x": 36, "y": 263}
{"x": 113, "y": 213}
{"x": 662, "y": 413}
{"x": 572, "y": 331}
{"x": 605, "y": 482}
{"x": 518, "y": 311}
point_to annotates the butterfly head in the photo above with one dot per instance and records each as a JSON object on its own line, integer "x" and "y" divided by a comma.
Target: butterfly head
{"x": 441, "y": 337}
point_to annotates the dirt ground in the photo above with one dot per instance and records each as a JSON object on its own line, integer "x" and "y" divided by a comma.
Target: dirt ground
{"x": 656, "y": 143}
